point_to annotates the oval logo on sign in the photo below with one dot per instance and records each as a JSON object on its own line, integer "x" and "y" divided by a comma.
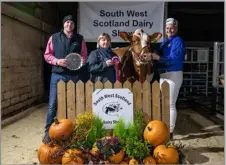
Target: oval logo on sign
{"x": 112, "y": 108}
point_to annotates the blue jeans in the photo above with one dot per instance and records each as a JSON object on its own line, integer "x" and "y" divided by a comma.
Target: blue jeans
{"x": 52, "y": 109}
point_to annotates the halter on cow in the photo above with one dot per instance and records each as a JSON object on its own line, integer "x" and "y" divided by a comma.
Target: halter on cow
{"x": 132, "y": 68}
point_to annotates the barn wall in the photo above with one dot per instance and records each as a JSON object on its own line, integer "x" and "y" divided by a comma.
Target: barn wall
{"x": 23, "y": 40}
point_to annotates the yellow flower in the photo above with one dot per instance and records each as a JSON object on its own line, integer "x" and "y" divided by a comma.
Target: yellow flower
{"x": 84, "y": 123}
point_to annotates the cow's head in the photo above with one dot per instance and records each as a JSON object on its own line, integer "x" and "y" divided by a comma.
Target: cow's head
{"x": 140, "y": 42}
{"x": 132, "y": 67}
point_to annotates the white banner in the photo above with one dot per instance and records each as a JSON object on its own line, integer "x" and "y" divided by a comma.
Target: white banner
{"x": 113, "y": 17}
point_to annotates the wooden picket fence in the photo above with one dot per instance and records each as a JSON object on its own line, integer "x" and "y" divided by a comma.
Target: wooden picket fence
{"x": 75, "y": 98}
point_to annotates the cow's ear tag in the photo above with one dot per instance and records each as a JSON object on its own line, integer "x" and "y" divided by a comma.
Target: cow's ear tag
{"x": 124, "y": 36}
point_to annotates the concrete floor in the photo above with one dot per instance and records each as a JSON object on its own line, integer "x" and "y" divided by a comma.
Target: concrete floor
{"x": 22, "y": 135}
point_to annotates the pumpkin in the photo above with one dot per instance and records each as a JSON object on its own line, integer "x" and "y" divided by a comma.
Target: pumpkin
{"x": 125, "y": 160}
{"x": 133, "y": 161}
{"x": 49, "y": 154}
{"x": 149, "y": 160}
{"x": 61, "y": 129}
{"x": 156, "y": 132}
{"x": 115, "y": 158}
{"x": 72, "y": 156}
{"x": 166, "y": 154}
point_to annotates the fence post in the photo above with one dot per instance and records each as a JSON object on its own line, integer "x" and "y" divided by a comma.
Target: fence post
{"x": 147, "y": 101}
{"x": 61, "y": 99}
{"x": 88, "y": 96}
{"x": 80, "y": 98}
{"x": 71, "y": 111}
{"x": 156, "y": 109}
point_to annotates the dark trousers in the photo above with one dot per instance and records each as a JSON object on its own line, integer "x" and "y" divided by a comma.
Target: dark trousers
{"x": 52, "y": 108}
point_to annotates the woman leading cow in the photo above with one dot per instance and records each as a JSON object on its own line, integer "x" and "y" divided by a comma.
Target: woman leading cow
{"x": 169, "y": 64}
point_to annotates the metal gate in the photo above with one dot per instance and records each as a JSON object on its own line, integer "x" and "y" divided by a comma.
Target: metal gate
{"x": 218, "y": 74}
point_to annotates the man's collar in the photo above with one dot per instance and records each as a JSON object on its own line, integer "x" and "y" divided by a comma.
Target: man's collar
{"x": 68, "y": 36}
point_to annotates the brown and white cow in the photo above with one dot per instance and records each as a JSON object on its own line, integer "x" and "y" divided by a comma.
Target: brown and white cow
{"x": 132, "y": 68}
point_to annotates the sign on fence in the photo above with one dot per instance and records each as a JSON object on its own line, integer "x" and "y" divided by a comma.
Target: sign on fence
{"x": 113, "y": 17}
{"x": 76, "y": 98}
{"x": 112, "y": 104}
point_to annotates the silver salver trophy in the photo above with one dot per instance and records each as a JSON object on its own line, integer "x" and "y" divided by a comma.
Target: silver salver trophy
{"x": 74, "y": 61}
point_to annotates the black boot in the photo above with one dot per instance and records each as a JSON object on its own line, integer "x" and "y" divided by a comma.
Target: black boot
{"x": 171, "y": 136}
{"x": 46, "y": 138}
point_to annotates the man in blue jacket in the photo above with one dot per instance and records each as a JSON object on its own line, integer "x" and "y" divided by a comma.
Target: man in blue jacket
{"x": 169, "y": 60}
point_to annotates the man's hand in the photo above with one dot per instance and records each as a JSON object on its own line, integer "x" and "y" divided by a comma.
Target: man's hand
{"x": 109, "y": 62}
{"x": 62, "y": 62}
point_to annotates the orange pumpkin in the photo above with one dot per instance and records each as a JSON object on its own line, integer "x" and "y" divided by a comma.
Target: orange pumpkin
{"x": 72, "y": 156}
{"x": 125, "y": 160}
{"x": 166, "y": 154}
{"x": 61, "y": 129}
{"x": 156, "y": 132}
{"x": 115, "y": 158}
{"x": 49, "y": 154}
{"x": 149, "y": 160}
{"x": 133, "y": 161}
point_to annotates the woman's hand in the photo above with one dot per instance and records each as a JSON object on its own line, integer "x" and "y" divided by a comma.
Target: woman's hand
{"x": 155, "y": 56}
{"x": 146, "y": 57}
{"x": 149, "y": 57}
{"x": 109, "y": 62}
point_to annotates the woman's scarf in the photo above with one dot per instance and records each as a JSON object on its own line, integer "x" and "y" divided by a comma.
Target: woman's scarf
{"x": 106, "y": 53}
